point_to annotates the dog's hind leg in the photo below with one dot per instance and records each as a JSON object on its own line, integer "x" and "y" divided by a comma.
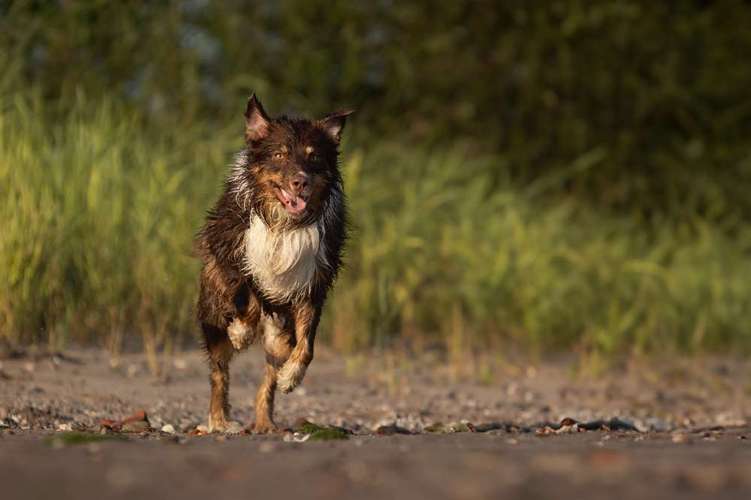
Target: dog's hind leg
{"x": 220, "y": 352}
{"x": 277, "y": 344}
{"x": 265, "y": 402}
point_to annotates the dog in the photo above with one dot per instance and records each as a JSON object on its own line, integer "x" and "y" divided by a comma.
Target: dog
{"x": 271, "y": 248}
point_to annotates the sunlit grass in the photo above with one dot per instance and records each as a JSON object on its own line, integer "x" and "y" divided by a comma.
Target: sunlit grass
{"x": 99, "y": 211}
{"x": 98, "y": 219}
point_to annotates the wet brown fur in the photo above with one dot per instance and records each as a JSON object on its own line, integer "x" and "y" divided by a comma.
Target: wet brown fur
{"x": 276, "y": 150}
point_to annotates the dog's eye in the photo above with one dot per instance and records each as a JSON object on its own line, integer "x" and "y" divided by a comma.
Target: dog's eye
{"x": 278, "y": 155}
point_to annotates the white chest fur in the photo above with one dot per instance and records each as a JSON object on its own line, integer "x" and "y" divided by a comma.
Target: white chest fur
{"x": 283, "y": 263}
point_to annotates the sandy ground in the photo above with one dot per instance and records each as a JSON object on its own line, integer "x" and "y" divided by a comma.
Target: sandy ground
{"x": 676, "y": 428}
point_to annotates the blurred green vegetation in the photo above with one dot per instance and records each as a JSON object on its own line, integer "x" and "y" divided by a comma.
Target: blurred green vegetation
{"x": 548, "y": 175}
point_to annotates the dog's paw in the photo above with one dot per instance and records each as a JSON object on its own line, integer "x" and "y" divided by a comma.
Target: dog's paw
{"x": 290, "y": 376}
{"x": 239, "y": 334}
{"x": 264, "y": 427}
{"x": 225, "y": 426}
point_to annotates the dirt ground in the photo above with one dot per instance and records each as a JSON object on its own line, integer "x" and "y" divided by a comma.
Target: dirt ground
{"x": 413, "y": 429}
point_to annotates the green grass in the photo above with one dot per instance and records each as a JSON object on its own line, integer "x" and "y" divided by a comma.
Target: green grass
{"x": 445, "y": 249}
{"x": 98, "y": 217}
{"x": 322, "y": 433}
{"x": 99, "y": 210}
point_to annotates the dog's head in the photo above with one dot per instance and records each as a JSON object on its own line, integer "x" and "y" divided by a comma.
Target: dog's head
{"x": 291, "y": 165}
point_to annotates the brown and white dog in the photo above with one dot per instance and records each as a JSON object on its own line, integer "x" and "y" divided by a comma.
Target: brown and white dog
{"x": 271, "y": 249}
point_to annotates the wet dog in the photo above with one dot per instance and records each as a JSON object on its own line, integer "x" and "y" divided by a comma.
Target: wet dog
{"x": 271, "y": 249}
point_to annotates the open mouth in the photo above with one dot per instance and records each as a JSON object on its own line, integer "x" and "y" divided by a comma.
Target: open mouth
{"x": 294, "y": 204}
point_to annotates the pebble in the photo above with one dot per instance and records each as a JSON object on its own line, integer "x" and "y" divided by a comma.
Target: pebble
{"x": 234, "y": 428}
{"x": 652, "y": 424}
{"x": 168, "y": 429}
{"x": 296, "y": 437}
{"x": 680, "y": 438}
{"x": 137, "y": 426}
{"x": 391, "y": 429}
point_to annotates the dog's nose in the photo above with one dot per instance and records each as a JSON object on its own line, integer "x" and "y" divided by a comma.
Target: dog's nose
{"x": 299, "y": 182}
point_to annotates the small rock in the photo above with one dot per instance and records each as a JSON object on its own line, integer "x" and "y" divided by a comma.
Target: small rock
{"x": 66, "y": 427}
{"x": 680, "y": 438}
{"x": 295, "y": 437}
{"x": 138, "y": 422}
{"x": 652, "y": 424}
{"x": 440, "y": 428}
{"x": 461, "y": 427}
{"x": 168, "y": 429}
{"x": 728, "y": 419}
{"x": 493, "y": 426}
{"x": 136, "y": 426}
{"x": 437, "y": 427}
{"x": 389, "y": 430}
{"x": 234, "y": 428}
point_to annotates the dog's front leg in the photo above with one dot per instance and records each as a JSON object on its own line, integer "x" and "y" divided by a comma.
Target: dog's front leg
{"x": 243, "y": 328}
{"x": 306, "y": 316}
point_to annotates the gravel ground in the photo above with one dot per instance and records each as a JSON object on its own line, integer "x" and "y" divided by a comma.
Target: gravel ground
{"x": 413, "y": 428}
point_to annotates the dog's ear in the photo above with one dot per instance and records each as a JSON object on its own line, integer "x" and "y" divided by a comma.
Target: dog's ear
{"x": 333, "y": 123}
{"x": 256, "y": 120}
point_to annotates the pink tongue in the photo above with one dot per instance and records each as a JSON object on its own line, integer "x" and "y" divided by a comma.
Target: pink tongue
{"x": 294, "y": 205}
